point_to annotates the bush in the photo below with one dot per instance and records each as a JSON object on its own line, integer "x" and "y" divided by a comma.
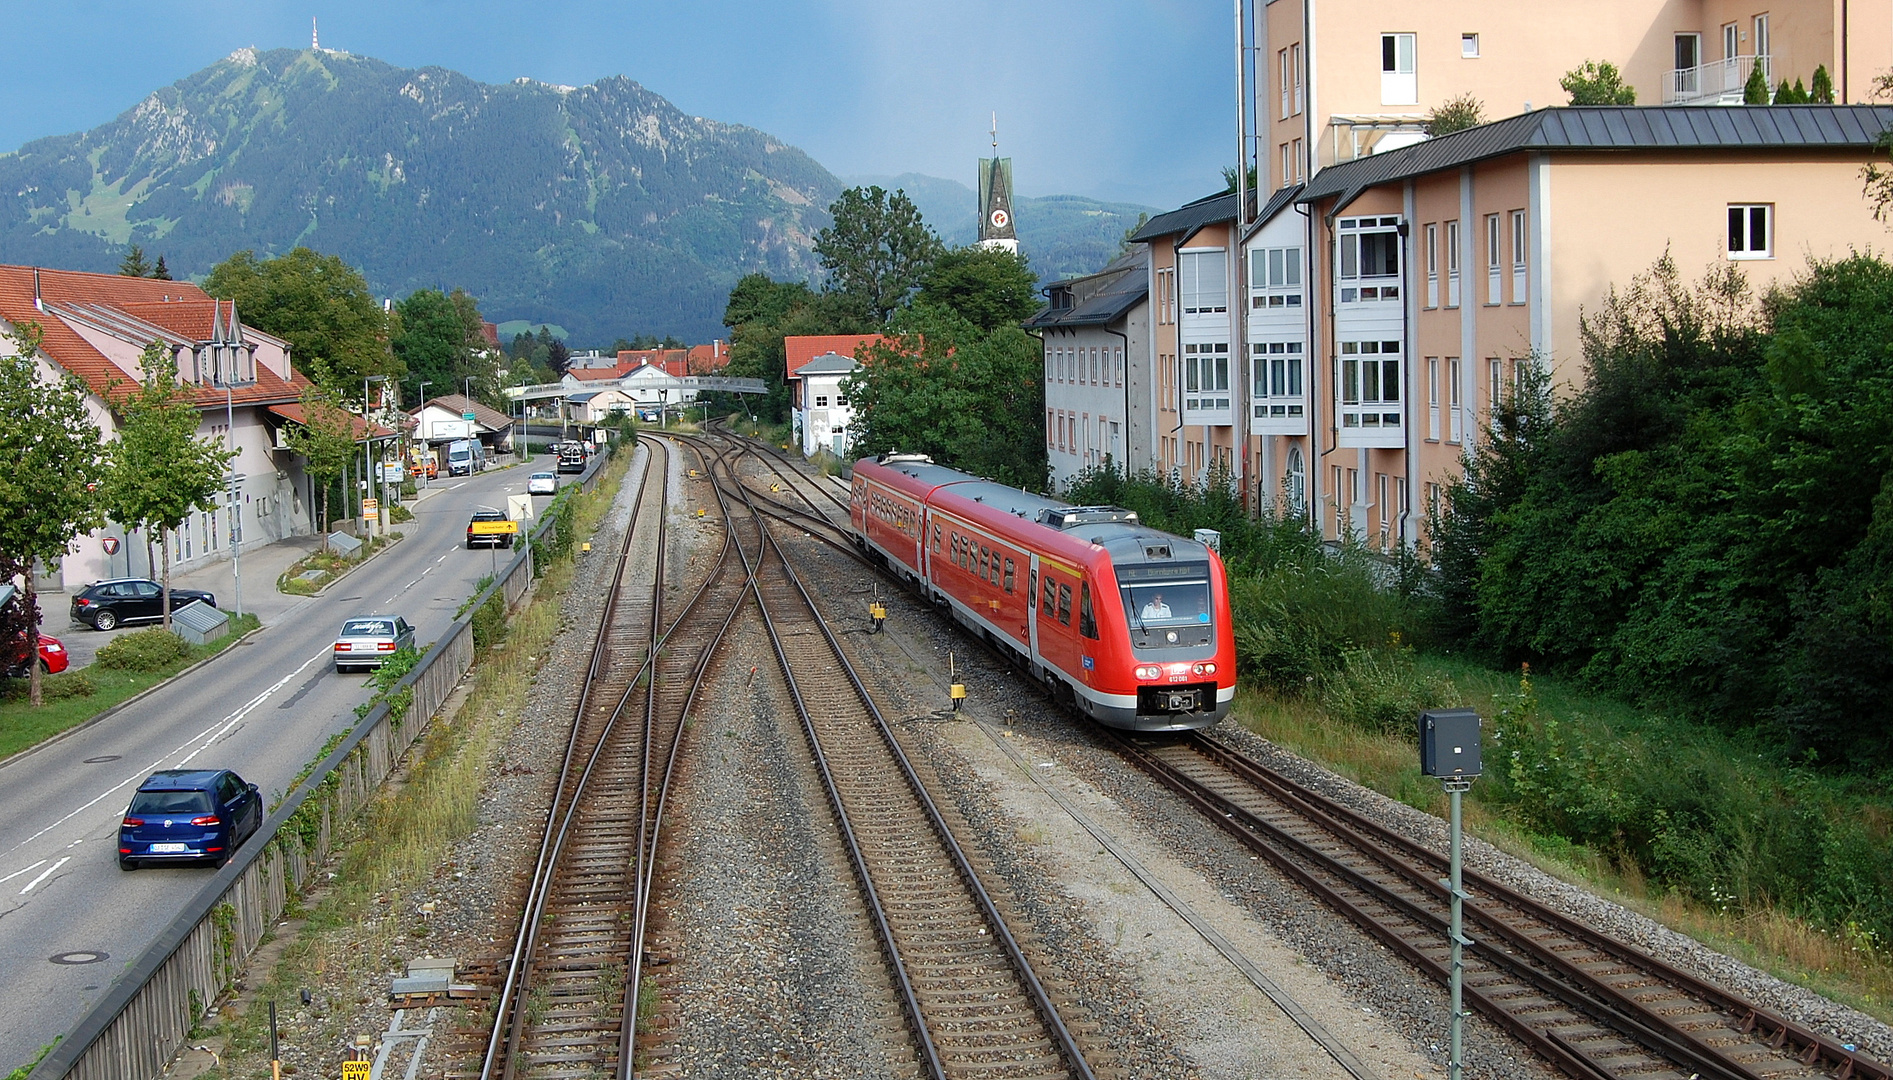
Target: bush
{"x": 66, "y": 684}
{"x": 489, "y": 621}
{"x": 399, "y": 514}
{"x": 147, "y": 650}
{"x": 1384, "y": 690}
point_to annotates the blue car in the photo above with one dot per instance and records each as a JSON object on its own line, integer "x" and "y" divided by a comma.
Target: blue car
{"x": 190, "y": 815}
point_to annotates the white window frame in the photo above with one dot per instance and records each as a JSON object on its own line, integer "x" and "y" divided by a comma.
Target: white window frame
{"x": 1368, "y": 384}
{"x": 1432, "y": 398}
{"x": 1206, "y": 375}
{"x": 1495, "y": 391}
{"x": 1278, "y": 389}
{"x": 1452, "y": 263}
{"x": 1741, "y": 232}
{"x": 1731, "y": 40}
{"x": 1281, "y": 66}
{"x": 1469, "y": 46}
{"x": 1521, "y": 249}
{"x": 1276, "y": 280}
{"x": 1352, "y": 284}
{"x": 1288, "y": 167}
{"x": 1193, "y": 298}
{"x": 1494, "y": 253}
{"x": 1432, "y": 265}
{"x": 1399, "y": 76}
{"x": 1455, "y": 400}
{"x": 1294, "y": 60}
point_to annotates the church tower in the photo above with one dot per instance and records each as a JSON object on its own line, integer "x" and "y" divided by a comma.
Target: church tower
{"x": 996, "y": 228}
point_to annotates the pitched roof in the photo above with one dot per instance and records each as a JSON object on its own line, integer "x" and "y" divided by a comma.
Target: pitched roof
{"x": 460, "y": 404}
{"x": 595, "y": 374}
{"x": 1189, "y": 217}
{"x": 800, "y": 349}
{"x": 292, "y": 410}
{"x": 1125, "y": 284}
{"x": 706, "y": 359}
{"x": 128, "y": 308}
{"x": 829, "y": 364}
{"x": 1614, "y": 128}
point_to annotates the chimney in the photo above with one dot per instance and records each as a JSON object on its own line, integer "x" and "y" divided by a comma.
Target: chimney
{"x": 38, "y": 304}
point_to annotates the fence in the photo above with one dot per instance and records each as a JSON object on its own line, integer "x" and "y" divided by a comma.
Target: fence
{"x": 144, "y": 1019}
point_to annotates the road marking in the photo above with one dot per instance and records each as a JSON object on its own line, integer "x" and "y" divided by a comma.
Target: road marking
{"x": 48, "y": 872}
{"x": 22, "y": 870}
{"x": 214, "y": 732}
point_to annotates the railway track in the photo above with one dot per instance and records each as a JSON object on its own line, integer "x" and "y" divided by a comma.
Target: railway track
{"x": 1595, "y": 1007}
{"x": 568, "y": 1003}
{"x": 974, "y": 1005}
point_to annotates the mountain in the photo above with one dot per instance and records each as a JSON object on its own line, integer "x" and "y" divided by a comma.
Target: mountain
{"x": 602, "y": 208}
{"x": 1062, "y": 235}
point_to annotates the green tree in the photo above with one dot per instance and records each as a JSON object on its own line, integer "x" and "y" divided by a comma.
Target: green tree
{"x": 1125, "y": 243}
{"x": 161, "y": 272}
{"x": 877, "y": 249}
{"x": 1821, "y": 87}
{"x": 989, "y": 287}
{"x": 1229, "y": 179}
{"x": 160, "y": 470}
{"x": 1784, "y": 94}
{"x": 54, "y": 465}
{"x": 134, "y": 264}
{"x": 1456, "y": 114}
{"x": 760, "y": 313}
{"x": 973, "y": 400}
{"x": 1755, "y": 90}
{"x": 317, "y": 303}
{"x": 437, "y": 337}
{"x": 1597, "y": 83}
{"x": 326, "y": 441}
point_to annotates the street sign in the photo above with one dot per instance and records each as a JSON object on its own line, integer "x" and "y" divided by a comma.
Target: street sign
{"x": 111, "y": 545}
{"x": 492, "y": 528}
{"x": 391, "y": 472}
{"x": 468, "y": 416}
{"x": 369, "y": 506}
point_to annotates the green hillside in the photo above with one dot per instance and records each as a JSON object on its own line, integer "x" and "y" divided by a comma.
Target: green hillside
{"x": 601, "y": 208}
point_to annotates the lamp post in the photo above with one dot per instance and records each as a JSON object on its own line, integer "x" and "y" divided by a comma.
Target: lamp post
{"x": 236, "y": 507}
{"x": 427, "y": 450}
{"x": 370, "y": 472}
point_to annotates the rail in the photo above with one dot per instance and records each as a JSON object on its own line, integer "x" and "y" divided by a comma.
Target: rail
{"x": 146, "y": 1016}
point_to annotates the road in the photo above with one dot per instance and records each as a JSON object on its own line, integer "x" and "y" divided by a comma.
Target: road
{"x": 70, "y": 919}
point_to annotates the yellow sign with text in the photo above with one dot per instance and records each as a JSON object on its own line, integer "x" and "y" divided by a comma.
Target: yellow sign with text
{"x": 355, "y": 1070}
{"x": 492, "y": 528}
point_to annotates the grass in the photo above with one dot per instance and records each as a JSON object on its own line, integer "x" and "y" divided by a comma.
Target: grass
{"x": 22, "y": 726}
{"x": 329, "y": 563}
{"x": 1835, "y": 964}
{"x": 365, "y": 924}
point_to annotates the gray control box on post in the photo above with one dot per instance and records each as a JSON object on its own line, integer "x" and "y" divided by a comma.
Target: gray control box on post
{"x": 1449, "y": 743}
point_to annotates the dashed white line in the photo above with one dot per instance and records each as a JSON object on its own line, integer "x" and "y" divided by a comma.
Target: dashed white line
{"x": 48, "y": 872}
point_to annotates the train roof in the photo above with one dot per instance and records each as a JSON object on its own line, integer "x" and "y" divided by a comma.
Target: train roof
{"x": 1117, "y": 531}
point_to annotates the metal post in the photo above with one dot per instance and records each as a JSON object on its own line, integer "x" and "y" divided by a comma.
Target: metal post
{"x": 236, "y": 506}
{"x": 1455, "y": 788}
{"x": 427, "y": 448}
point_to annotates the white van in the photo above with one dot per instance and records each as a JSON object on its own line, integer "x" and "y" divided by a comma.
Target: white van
{"x": 465, "y": 457}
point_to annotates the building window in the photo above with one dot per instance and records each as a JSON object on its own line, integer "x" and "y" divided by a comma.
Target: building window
{"x": 1469, "y": 46}
{"x": 1281, "y": 68}
{"x": 1751, "y": 231}
{"x": 1369, "y": 259}
{"x": 1493, "y": 250}
{"x": 1297, "y": 484}
{"x": 1452, "y": 264}
{"x": 1455, "y": 413}
{"x": 1206, "y": 375}
{"x": 1275, "y": 278}
{"x": 1275, "y": 374}
{"x": 1398, "y": 83}
{"x": 1519, "y": 250}
{"x": 1204, "y": 279}
{"x": 1432, "y": 266}
{"x": 1762, "y": 43}
{"x": 1383, "y": 501}
{"x": 1294, "y": 64}
{"x": 1370, "y": 384}
{"x": 1731, "y": 41}
{"x": 1288, "y": 167}
{"x": 1432, "y": 398}
{"x": 1167, "y": 295}
{"x": 821, "y": 401}
{"x": 1294, "y": 148}
{"x": 1495, "y": 386}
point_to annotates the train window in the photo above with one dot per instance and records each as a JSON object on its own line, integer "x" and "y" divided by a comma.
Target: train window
{"x": 936, "y": 539}
{"x": 992, "y": 569}
{"x": 1064, "y": 604}
{"x": 985, "y": 555}
{"x": 1009, "y": 575}
{"x": 1087, "y": 622}
{"x": 1050, "y": 597}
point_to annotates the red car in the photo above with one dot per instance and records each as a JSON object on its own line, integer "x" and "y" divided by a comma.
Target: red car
{"x": 52, "y": 658}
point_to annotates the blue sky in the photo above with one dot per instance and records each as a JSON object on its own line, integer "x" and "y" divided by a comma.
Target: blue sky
{"x": 1121, "y": 99}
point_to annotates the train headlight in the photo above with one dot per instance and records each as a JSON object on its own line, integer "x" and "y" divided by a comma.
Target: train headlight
{"x": 1204, "y": 669}
{"x": 1171, "y": 637}
{"x": 1150, "y": 672}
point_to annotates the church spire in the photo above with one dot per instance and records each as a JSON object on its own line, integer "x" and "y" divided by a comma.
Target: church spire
{"x": 995, "y": 199}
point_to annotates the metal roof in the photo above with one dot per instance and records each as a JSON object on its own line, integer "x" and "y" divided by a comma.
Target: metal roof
{"x": 1189, "y": 217}
{"x": 828, "y": 364}
{"x": 1110, "y": 302}
{"x": 1597, "y": 127}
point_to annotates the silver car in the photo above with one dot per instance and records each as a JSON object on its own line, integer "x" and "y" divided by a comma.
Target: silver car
{"x": 542, "y": 483}
{"x": 368, "y": 641}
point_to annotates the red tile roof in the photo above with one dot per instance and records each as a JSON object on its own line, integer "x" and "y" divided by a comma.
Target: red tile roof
{"x": 800, "y": 350}
{"x": 709, "y": 359}
{"x": 595, "y": 374}
{"x": 178, "y": 307}
{"x": 292, "y": 410}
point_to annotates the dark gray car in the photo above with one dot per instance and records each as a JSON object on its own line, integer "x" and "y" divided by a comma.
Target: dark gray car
{"x": 103, "y": 605}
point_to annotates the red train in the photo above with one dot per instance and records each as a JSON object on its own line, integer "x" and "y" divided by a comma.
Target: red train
{"x": 1129, "y": 623}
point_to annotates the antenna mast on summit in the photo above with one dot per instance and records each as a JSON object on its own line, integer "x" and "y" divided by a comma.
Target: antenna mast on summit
{"x": 315, "y": 41}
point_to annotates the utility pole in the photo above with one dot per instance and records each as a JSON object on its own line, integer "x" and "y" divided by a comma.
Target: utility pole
{"x": 232, "y": 477}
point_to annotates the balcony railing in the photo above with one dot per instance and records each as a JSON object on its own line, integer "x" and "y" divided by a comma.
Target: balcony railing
{"x": 1718, "y": 82}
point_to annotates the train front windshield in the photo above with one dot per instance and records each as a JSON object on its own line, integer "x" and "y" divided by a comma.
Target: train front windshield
{"x": 1170, "y": 604}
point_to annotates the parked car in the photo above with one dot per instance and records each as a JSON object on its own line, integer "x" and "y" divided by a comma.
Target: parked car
{"x": 103, "y": 605}
{"x": 368, "y": 641}
{"x": 424, "y": 465}
{"x": 180, "y": 815}
{"x": 542, "y": 483}
{"x": 490, "y": 528}
{"x": 465, "y": 457}
{"x": 52, "y": 657}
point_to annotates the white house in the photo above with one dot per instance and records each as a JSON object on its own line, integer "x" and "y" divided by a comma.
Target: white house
{"x": 1096, "y": 333}
{"x": 822, "y": 416}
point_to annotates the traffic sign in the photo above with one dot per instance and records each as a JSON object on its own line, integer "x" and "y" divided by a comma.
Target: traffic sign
{"x": 356, "y": 1070}
{"x": 468, "y": 416}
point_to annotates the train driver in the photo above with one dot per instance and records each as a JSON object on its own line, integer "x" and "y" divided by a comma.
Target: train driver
{"x": 1156, "y": 608}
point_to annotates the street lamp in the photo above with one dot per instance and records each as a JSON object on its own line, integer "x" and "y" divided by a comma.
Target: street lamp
{"x": 369, "y": 471}
{"x": 236, "y": 507}
{"x": 427, "y": 448}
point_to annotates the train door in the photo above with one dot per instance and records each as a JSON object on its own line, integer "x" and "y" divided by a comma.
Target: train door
{"x": 1032, "y": 606}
